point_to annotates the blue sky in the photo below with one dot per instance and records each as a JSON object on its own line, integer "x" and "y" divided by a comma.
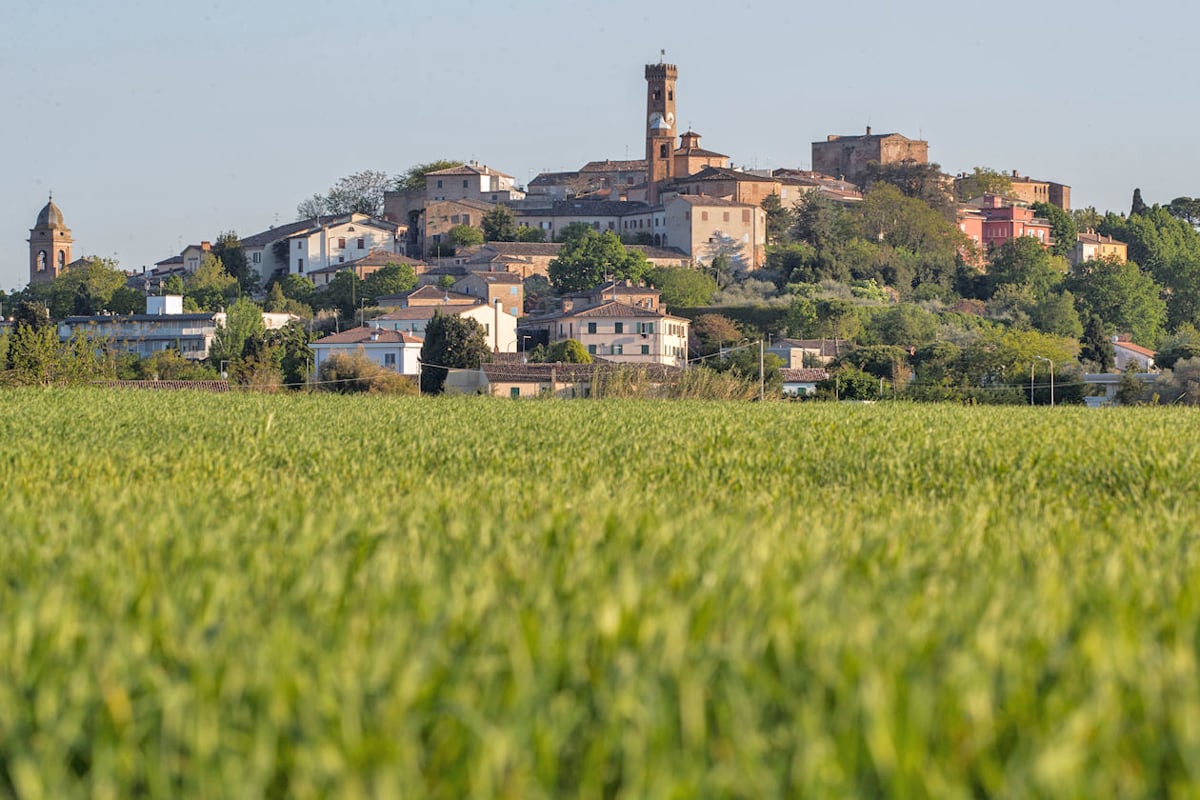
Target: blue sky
{"x": 158, "y": 124}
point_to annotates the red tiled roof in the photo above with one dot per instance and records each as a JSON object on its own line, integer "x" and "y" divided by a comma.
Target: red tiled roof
{"x": 803, "y": 375}
{"x": 362, "y": 335}
{"x": 1135, "y": 348}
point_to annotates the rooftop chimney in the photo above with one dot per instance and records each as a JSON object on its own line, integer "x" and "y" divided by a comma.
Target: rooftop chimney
{"x": 868, "y": 130}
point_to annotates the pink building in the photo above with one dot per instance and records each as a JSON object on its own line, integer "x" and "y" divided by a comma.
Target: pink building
{"x": 1001, "y": 223}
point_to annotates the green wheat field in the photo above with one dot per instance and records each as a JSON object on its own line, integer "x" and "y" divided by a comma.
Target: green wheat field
{"x": 322, "y": 596}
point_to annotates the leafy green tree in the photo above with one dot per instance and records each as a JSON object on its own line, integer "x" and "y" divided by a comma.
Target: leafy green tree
{"x": 1182, "y": 345}
{"x": 837, "y": 319}
{"x": 499, "y": 224}
{"x": 801, "y": 318}
{"x": 682, "y": 287}
{"x": 779, "y": 219}
{"x": 356, "y": 372}
{"x": 170, "y": 365}
{"x": 793, "y": 260}
{"x": 414, "y": 177}
{"x": 85, "y": 288}
{"x": 528, "y": 234}
{"x": 361, "y": 192}
{"x": 290, "y": 344}
{"x": 228, "y": 248}
{"x": 446, "y": 282}
{"x": 173, "y": 284}
{"x": 1056, "y": 313}
{"x": 924, "y": 182}
{"x": 1087, "y": 219}
{"x": 1129, "y": 388}
{"x": 34, "y": 355}
{"x": 243, "y": 323}
{"x": 882, "y": 360}
{"x": 127, "y": 300}
{"x": 981, "y": 181}
{"x": 593, "y": 258}
{"x": 710, "y": 331}
{"x": 1169, "y": 249}
{"x": 849, "y": 383}
{"x": 32, "y": 313}
{"x": 465, "y": 236}
{"x": 210, "y": 287}
{"x": 343, "y": 293}
{"x": 1098, "y": 347}
{"x": 920, "y": 237}
{"x": 936, "y": 363}
{"x": 904, "y": 324}
{"x": 1062, "y": 228}
{"x": 744, "y": 364}
{"x": 389, "y": 279}
{"x": 1186, "y": 209}
{"x": 297, "y": 287}
{"x": 567, "y": 351}
{"x": 573, "y": 231}
{"x": 1125, "y": 297}
{"x": 1023, "y": 262}
{"x": 450, "y": 341}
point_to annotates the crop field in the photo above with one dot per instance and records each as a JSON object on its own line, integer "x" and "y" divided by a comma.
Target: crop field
{"x": 326, "y": 596}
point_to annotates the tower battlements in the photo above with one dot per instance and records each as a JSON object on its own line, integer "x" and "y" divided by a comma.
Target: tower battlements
{"x": 662, "y": 72}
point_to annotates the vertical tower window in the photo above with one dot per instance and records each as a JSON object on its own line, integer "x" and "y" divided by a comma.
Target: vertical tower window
{"x": 62, "y": 258}
{"x": 41, "y": 261}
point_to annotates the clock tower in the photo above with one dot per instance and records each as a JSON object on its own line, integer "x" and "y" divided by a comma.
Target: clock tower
{"x": 660, "y": 126}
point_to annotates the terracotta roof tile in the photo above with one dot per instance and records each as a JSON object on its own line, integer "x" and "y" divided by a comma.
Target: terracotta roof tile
{"x": 362, "y": 335}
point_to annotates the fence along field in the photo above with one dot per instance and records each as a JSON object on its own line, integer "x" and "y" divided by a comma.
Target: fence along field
{"x": 309, "y": 596}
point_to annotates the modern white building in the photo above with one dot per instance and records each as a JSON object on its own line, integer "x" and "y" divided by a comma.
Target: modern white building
{"x": 164, "y": 326}
{"x": 391, "y": 349}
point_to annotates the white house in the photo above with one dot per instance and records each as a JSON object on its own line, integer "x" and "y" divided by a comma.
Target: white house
{"x": 1127, "y": 353}
{"x": 310, "y": 244}
{"x": 500, "y": 327}
{"x": 802, "y": 381}
{"x": 391, "y": 349}
{"x": 618, "y": 321}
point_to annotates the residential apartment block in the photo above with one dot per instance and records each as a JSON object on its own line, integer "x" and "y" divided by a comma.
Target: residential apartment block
{"x": 164, "y": 326}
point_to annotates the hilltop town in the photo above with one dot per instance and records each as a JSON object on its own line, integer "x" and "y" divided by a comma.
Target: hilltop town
{"x": 872, "y": 274}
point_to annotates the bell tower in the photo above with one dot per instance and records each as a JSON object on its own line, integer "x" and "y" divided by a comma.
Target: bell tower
{"x": 49, "y": 245}
{"x": 660, "y": 126}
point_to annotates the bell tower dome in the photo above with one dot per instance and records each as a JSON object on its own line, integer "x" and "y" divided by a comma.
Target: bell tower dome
{"x": 49, "y": 244}
{"x": 660, "y": 126}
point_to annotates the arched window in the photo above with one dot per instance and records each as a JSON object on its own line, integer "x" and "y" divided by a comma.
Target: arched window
{"x": 41, "y": 261}
{"x": 62, "y": 258}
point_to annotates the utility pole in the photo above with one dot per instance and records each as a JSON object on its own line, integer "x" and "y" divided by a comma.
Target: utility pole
{"x": 762, "y": 379}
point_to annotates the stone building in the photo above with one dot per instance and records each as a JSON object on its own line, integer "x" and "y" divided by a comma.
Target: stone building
{"x": 660, "y": 126}
{"x": 847, "y": 157}
{"x": 1030, "y": 190}
{"x": 49, "y": 244}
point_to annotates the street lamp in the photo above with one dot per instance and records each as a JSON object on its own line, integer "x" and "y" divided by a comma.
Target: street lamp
{"x": 1043, "y": 358}
{"x": 224, "y": 374}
